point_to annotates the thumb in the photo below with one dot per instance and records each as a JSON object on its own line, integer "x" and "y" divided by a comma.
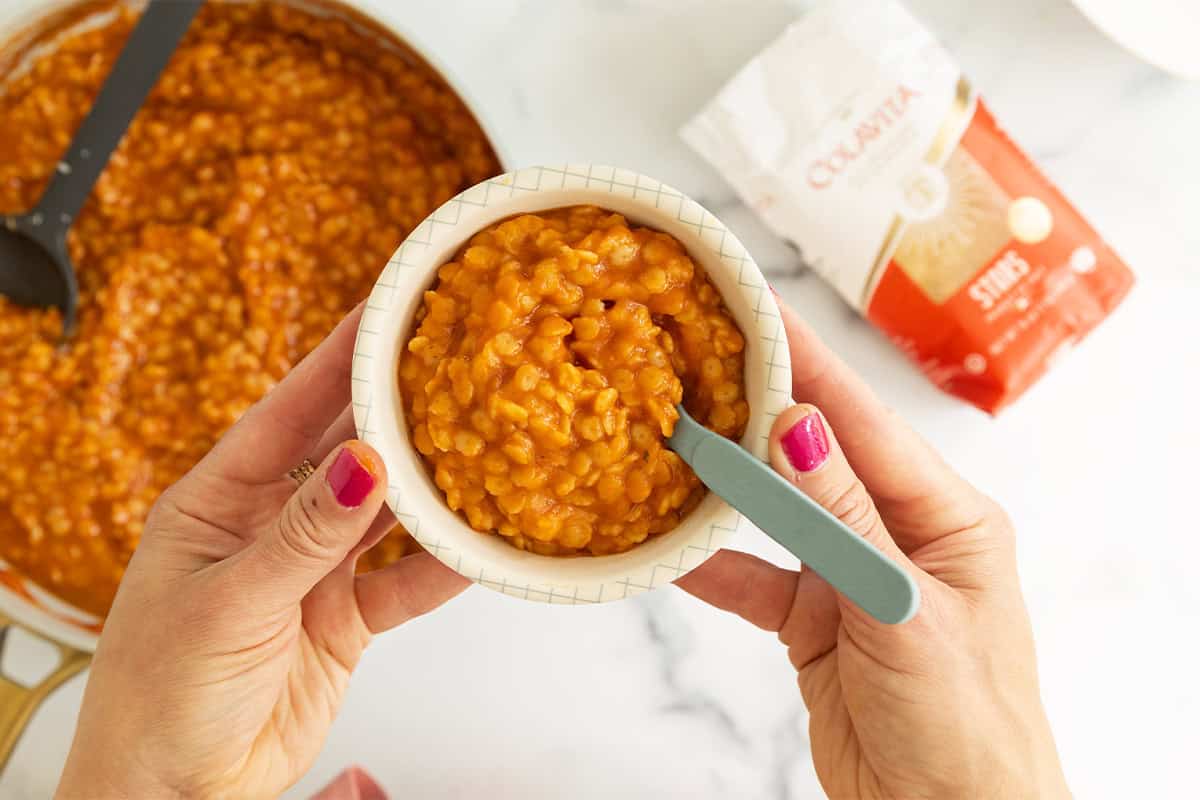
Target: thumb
{"x": 803, "y": 449}
{"x": 320, "y": 524}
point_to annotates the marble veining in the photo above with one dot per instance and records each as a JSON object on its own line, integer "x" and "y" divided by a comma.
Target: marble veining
{"x": 670, "y": 639}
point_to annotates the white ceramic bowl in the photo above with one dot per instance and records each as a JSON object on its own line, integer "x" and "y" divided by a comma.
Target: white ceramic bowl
{"x": 1160, "y": 32}
{"x": 387, "y": 324}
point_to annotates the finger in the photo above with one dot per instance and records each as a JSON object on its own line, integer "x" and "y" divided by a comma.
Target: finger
{"x": 338, "y": 585}
{"x": 805, "y": 451}
{"x": 413, "y": 586}
{"x": 799, "y": 606}
{"x": 318, "y": 527}
{"x": 910, "y": 482}
{"x": 332, "y": 602}
{"x": 338, "y": 432}
{"x": 756, "y": 590}
{"x": 384, "y": 523}
{"x": 282, "y": 429}
{"x": 341, "y": 430}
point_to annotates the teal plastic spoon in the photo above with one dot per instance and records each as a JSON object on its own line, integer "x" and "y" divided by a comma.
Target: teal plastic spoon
{"x": 851, "y": 564}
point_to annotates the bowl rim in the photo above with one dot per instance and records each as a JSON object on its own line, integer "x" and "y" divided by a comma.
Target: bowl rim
{"x": 387, "y": 320}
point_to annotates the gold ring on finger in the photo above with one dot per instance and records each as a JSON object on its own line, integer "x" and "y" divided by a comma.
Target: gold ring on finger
{"x": 302, "y": 472}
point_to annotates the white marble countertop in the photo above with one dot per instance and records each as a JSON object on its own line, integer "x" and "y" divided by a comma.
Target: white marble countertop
{"x": 663, "y": 697}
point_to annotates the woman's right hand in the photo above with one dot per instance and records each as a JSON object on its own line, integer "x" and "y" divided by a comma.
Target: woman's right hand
{"x": 946, "y": 705}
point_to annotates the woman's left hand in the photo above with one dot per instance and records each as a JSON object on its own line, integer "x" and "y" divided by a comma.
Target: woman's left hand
{"x": 239, "y": 620}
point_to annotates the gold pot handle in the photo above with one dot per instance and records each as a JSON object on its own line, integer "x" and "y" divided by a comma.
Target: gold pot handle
{"x": 18, "y": 702}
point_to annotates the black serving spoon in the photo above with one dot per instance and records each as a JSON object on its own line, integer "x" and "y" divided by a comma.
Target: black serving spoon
{"x": 35, "y": 267}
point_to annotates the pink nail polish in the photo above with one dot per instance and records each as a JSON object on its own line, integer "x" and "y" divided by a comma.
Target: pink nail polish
{"x": 350, "y": 481}
{"x": 805, "y": 444}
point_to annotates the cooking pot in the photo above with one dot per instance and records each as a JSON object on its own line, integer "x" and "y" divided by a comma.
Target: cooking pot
{"x": 72, "y": 632}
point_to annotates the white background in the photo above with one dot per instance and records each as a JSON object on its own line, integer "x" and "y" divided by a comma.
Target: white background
{"x": 661, "y": 697}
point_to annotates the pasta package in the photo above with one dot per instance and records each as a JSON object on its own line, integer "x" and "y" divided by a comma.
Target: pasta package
{"x": 857, "y": 138}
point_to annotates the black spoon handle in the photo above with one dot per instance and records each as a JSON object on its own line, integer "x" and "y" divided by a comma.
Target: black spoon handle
{"x": 146, "y": 52}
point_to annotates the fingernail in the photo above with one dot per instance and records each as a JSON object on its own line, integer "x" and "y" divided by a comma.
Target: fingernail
{"x": 805, "y": 443}
{"x": 350, "y": 481}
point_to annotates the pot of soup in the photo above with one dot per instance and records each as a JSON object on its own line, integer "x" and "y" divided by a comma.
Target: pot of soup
{"x": 285, "y": 152}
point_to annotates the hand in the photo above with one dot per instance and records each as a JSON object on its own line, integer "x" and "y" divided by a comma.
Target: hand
{"x": 946, "y": 705}
{"x": 239, "y": 620}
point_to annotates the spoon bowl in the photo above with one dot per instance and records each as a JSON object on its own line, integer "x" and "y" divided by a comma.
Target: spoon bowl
{"x": 31, "y": 275}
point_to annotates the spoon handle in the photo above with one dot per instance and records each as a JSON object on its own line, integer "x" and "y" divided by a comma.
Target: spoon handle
{"x": 146, "y": 52}
{"x": 855, "y": 567}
